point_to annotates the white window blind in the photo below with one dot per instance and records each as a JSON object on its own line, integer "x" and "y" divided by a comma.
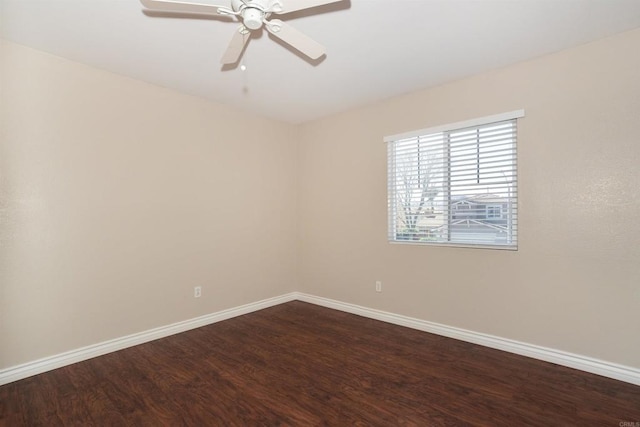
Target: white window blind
{"x": 455, "y": 186}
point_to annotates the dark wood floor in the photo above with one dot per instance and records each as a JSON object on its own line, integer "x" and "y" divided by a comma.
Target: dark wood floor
{"x": 302, "y": 365}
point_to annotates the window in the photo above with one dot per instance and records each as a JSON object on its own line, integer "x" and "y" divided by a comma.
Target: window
{"x": 494, "y": 211}
{"x": 455, "y": 184}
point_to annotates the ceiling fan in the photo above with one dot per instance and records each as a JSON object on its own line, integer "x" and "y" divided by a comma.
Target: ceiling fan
{"x": 253, "y": 15}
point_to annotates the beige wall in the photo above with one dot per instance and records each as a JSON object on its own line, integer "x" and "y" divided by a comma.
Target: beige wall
{"x": 574, "y": 284}
{"x": 118, "y": 197}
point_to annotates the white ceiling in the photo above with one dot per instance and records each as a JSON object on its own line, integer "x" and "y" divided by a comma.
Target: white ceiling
{"x": 376, "y": 49}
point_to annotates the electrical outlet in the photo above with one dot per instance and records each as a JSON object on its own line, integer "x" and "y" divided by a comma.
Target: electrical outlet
{"x": 378, "y": 286}
{"x": 197, "y": 292}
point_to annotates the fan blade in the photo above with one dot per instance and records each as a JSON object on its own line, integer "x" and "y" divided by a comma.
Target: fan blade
{"x": 293, "y": 5}
{"x": 176, "y": 6}
{"x": 295, "y": 38}
{"x": 236, "y": 46}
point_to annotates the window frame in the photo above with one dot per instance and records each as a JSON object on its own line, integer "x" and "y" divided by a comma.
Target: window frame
{"x": 392, "y": 230}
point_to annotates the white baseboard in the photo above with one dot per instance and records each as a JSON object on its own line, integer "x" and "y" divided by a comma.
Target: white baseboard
{"x": 595, "y": 366}
{"x": 583, "y": 363}
{"x": 25, "y": 370}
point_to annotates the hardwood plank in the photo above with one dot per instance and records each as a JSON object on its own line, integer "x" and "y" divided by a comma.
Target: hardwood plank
{"x": 297, "y": 364}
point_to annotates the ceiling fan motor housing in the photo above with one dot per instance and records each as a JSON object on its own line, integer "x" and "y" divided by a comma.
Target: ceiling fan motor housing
{"x": 252, "y": 18}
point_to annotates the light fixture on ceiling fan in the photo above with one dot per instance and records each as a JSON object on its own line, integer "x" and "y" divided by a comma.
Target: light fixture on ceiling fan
{"x": 253, "y": 15}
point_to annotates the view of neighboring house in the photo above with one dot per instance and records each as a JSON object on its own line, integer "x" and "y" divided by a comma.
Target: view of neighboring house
{"x": 483, "y": 218}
